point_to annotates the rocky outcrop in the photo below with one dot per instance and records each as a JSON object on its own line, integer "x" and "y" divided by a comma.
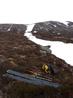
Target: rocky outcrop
{"x": 19, "y": 28}
{"x": 54, "y": 30}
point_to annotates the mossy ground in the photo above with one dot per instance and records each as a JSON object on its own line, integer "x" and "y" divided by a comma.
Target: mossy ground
{"x": 18, "y": 53}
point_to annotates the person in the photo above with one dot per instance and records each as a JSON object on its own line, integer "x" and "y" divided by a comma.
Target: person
{"x": 50, "y": 69}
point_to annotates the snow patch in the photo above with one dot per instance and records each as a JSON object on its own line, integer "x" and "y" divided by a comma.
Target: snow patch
{"x": 35, "y": 32}
{"x": 54, "y": 25}
{"x": 36, "y": 40}
{"x": 29, "y": 27}
{"x": 10, "y": 27}
{"x": 65, "y": 22}
{"x": 60, "y": 49}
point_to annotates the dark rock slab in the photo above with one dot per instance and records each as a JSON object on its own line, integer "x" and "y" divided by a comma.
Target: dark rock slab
{"x": 54, "y": 30}
{"x": 27, "y": 78}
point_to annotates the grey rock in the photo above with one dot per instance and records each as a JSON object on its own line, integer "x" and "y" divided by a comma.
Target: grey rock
{"x": 43, "y": 52}
{"x": 45, "y": 49}
{"x": 50, "y": 26}
{"x": 12, "y": 28}
{"x": 53, "y": 28}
